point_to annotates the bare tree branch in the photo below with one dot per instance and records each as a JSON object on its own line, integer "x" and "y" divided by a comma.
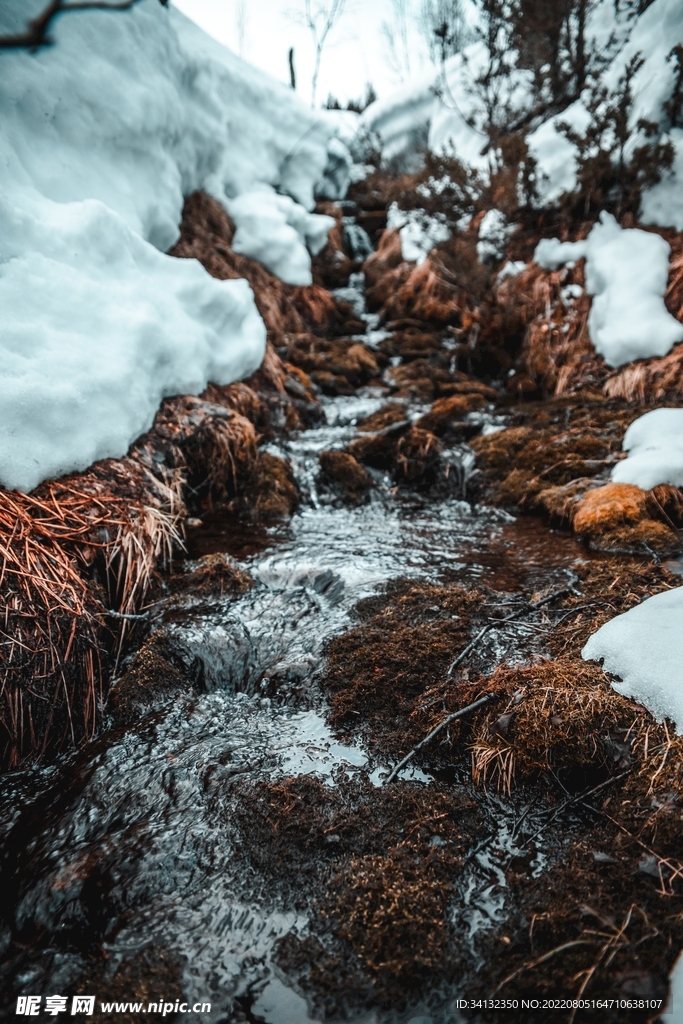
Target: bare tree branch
{"x": 37, "y": 30}
{"x": 321, "y": 16}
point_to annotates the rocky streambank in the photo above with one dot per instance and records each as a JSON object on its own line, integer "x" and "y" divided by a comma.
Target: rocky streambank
{"x": 401, "y": 517}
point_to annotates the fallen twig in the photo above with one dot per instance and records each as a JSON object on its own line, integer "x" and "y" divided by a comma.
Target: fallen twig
{"x": 437, "y": 728}
{"x": 577, "y": 798}
{"x": 531, "y": 606}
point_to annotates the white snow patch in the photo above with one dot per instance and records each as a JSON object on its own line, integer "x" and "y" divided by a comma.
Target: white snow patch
{"x": 655, "y": 446}
{"x": 511, "y": 269}
{"x": 401, "y": 121}
{"x": 102, "y": 135}
{"x": 419, "y": 233}
{"x": 644, "y": 647}
{"x": 663, "y": 203}
{"x": 494, "y": 232}
{"x": 270, "y": 228}
{"x": 626, "y": 273}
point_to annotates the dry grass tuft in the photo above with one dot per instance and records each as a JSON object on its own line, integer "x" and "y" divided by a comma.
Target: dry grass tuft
{"x": 562, "y": 716}
{"x": 67, "y": 550}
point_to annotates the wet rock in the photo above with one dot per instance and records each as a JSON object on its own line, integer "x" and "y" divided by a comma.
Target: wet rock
{"x": 346, "y": 474}
{"x": 445, "y": 410}
{"x": 389, "y": 414}
{"x": 270, "y": 493}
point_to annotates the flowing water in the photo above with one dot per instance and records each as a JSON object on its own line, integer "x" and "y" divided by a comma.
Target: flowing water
{"x": 131, "y": 843}
{"x": 131, "y": 840}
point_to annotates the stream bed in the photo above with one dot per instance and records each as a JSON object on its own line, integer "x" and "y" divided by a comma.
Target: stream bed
{"x": 130, "y": 845}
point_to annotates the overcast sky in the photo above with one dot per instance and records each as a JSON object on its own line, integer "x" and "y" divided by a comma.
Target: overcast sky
{"x": 356, "y": 51}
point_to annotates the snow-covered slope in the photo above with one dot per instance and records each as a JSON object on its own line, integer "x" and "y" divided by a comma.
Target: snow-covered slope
{"x": 653, "y": 35}
{"x": 101, "y": 137}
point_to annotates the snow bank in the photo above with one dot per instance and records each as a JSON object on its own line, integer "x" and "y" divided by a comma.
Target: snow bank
{"x": 626, "y": 273}
{"x": 644, "y": 647}
{"x": 97, "y": 327}
{"x": 655, "y": 446}
{"x": 270, "y": 228}
{"x": 101, "y": 137}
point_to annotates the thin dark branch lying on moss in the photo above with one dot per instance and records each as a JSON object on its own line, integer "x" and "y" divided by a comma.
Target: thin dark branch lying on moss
{"x": 437, "y": 728}
{"x": 531, "y": 606}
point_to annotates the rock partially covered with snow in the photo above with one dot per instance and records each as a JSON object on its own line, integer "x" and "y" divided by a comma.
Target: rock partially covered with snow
{"x": 644, "y": 647}
{"x": 626, "y": 273}
{"x": 655, "y": 446}
{"x": 419, "y": 233}
{"x": 101, "y": 137}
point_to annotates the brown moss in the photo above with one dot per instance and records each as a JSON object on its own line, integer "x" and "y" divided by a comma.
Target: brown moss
{"x": 445, "y": 410}
{"x": 418, "y": 457}
{"x": 622, "y": 517}
{"x": 351, "y": 360}
{"x": 421, "y": 378}
{"x": 392, "y": 912}
{"x": 468, "y": 386}
{"x": 611, "y": 506}
{"x": 377, "y": 672}
{"x": 151, "y": 976}
{"x": 345, "y": 472}
{"x": 393, "y": 412}
{"x": 379, "y": 450}
{"x": 646, "y": 537}
{"x": 214, "y": 576}
{"x": 270, "y": 492}
{"x": 411, "y": 343}
{"x": 154, "y": 672}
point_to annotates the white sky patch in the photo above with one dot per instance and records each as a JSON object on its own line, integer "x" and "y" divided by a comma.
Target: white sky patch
{"x": 353, "y": 55}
